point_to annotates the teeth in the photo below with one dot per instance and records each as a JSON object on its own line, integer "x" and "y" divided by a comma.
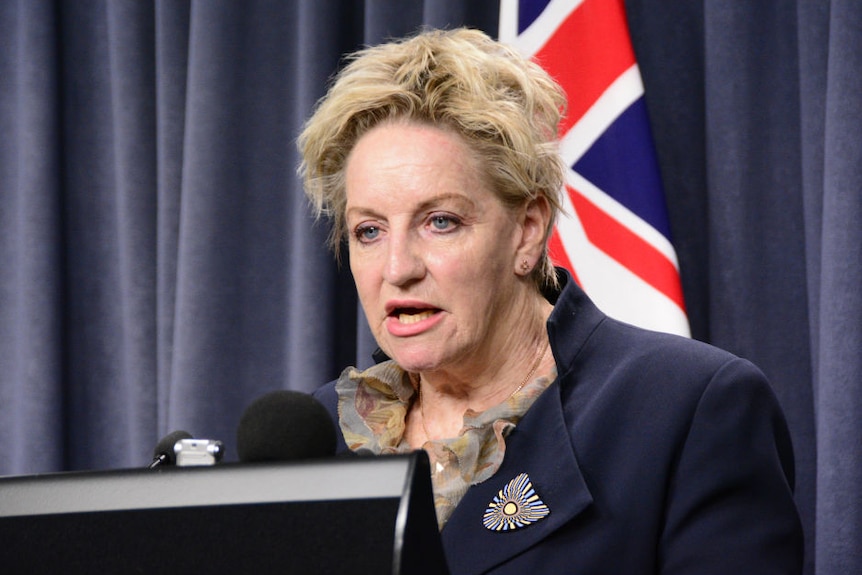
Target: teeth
{"x": 414, "y": 317}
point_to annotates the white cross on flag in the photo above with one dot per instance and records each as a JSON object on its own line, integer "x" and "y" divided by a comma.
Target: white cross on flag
{"x": 614, "y": 236}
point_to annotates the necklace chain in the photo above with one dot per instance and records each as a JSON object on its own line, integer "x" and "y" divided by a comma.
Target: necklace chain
{"x": 524, "y": 381}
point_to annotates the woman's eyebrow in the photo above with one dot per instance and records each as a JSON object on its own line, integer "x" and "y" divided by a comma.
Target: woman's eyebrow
{"x": 423, "y": 206}
{"x": 435, "y": 201}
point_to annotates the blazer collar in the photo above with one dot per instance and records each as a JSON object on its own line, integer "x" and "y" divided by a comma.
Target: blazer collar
{"x": 556, "y": 478}
{"x": 574, "y": 319}
{"x": 539, "y": 446}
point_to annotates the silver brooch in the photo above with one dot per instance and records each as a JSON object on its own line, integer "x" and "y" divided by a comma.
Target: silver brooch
{"x": 516, "y": 505}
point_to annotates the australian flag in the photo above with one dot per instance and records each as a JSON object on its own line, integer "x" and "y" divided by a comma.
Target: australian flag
{"x": 614, "y": 236}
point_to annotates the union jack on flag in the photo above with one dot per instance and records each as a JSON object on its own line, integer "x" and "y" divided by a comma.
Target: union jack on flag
{"x": 615, "y": 235}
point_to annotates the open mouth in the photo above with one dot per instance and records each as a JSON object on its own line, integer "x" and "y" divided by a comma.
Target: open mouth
{"x": 412, "y": 315}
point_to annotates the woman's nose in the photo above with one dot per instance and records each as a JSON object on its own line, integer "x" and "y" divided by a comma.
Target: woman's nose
{"x": 404, "y": 262}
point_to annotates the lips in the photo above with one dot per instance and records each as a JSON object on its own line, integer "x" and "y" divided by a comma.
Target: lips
{"x": 406, "y": 319}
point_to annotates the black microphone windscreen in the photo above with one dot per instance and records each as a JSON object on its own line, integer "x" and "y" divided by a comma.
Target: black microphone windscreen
{"x": 165, "y": 446}
{"x": 285, "y": 426}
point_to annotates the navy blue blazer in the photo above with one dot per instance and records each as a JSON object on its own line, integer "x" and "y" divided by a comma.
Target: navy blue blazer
{"x": 654, "y": 454}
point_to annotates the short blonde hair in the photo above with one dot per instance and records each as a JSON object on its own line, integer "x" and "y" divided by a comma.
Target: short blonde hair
{"x": 506, "y": 108}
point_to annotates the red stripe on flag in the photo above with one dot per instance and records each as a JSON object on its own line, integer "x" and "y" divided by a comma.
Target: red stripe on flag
{"x": 589, "y": 50}
{"x": 626, "y": 247}
{"x": 558, "y": 255}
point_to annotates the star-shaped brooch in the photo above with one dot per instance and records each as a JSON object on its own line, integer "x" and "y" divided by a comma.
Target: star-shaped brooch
{"x": 515, "y": 506}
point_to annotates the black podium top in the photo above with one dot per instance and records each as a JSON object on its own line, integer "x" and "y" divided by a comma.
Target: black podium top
{"x": 362, "y": 515}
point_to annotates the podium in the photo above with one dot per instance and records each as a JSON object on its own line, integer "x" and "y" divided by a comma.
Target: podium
{"x": 360, "y": 515}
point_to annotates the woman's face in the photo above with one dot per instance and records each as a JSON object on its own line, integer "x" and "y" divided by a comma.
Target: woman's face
{"x": 433, "y": 251}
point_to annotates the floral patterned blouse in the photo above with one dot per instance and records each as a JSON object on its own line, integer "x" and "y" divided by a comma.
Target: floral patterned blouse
{"x": 372, "y": 412}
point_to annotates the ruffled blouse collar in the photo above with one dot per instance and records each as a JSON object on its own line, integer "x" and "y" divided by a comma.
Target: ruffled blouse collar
{"x": 373, "y": 405}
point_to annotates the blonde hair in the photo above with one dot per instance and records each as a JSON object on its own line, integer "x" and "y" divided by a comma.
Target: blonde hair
{"x": 504, "y": 106}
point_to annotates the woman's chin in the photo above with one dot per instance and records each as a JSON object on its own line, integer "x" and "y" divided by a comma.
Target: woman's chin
{"x": 415, "y": 361}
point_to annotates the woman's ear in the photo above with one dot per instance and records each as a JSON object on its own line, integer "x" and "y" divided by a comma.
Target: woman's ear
{"x": 535, "y": 219}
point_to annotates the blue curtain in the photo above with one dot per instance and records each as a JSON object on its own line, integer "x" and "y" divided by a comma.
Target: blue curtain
{"x": 159, "y": 268}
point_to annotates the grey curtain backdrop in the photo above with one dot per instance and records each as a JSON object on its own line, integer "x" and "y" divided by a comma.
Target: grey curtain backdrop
{"x": 159, "y": 268}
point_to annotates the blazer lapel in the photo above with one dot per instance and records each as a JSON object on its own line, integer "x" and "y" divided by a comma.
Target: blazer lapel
{"x": 540, "y": 447}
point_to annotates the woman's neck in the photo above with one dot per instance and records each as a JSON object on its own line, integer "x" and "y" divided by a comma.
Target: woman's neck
{"x": 481, "y": 381}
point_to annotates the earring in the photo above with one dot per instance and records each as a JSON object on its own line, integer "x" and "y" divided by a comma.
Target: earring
{"x": 525, "y": 266}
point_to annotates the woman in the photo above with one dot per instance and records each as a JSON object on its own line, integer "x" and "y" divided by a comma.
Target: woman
{"x": 561, "y": 441}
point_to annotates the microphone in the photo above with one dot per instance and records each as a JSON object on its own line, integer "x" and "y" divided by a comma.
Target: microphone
{"x": 164, "y": 453}
{"x": 285, "y": 426}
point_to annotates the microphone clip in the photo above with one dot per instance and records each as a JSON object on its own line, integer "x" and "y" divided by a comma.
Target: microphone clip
{"x": 198, "y": 452}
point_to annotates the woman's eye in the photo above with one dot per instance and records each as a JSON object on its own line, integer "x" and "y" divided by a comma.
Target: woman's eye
{"x": 443, "y": 223}
{"x": 367, "y": 233}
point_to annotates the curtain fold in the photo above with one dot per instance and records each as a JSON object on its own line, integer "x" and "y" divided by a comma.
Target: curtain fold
{"x": 839, "y": 382}
{"x": 159, "y": 268}
{"x": 757, "y": 269}
{"x": 32, "y": 354}
{"x": 107, "y": 138}
{"x": 171, "y": 42}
